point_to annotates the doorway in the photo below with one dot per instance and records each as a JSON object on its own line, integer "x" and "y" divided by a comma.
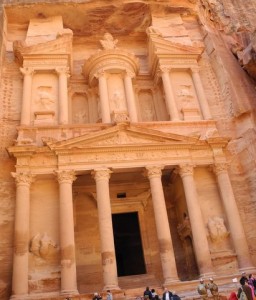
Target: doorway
{"x": 128, "y": 245}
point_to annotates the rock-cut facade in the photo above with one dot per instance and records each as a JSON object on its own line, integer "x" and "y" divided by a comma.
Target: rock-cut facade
{"x": 127, "y": 146}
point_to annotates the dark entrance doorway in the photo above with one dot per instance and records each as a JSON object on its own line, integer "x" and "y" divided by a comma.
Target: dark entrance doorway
{"x": 128, "y": 246}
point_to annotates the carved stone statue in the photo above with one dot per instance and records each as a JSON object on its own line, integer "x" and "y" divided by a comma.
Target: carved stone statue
{"x": 108, "y": 42}
{"x": 40, "y": 245}
{"x": 217, "y": 229}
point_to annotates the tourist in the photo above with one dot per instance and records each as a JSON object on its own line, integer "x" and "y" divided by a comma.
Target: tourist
{"x": 212, "y": 286}
{"x": 252, "y": 283}
{"x": 154, "y": 294}
{"x": 175, "y": 296}
{"x": 202, "y": 289}
{"x": 147, "y": 293}
{"x": 167, "y": 295}
{"x": 244, "y": 289}
{"x": 96, "y": 296}
{"x": 109, "y": 295}
{"x": 232, "y": 296}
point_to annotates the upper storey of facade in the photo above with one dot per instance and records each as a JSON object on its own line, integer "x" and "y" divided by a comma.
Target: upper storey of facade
{"x": 97, "y": 64}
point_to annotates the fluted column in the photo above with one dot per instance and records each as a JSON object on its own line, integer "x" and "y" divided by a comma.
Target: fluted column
{"x": 67, "y": 239}
{"x": 233, "y": 216}
{"x": 200, "y": 242}
{"x": 63, "y": 94}
{"x": 109, "y": 266}
{"x": 169, "y": 95}
{"x": 26, "y": 96}
{"x": 200, "y": 94}
{"x": 130, "y": 96}
{"x": 104, "y": 101}
{"x": 21, "y": 234}
{"x": 154, "y": 174}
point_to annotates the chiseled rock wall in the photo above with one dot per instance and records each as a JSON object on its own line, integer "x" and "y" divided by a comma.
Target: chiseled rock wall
{"x": 227, "y": 29}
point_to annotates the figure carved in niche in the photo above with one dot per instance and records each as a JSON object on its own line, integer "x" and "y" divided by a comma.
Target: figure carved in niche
{"x": 217, "y": 229}
{"x": 108, "y": 42}
{"x": 80, "y": 117}
{"x": 186, "y": 95}
{"x": 45, "y": 97}
{"x": 117, "y": 101}
{"x": 41, "y": 245}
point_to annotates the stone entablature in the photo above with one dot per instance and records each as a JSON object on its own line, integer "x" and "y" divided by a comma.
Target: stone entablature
{"x": 117, "y": 146}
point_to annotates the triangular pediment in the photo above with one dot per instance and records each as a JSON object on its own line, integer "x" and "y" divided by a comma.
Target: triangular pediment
{"x": 164, "y": 47}
{"x": 62, "y": 45}
{"x": 123, "y": 136}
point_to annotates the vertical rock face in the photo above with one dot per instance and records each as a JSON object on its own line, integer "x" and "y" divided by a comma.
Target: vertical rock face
{"x": 136, "y": 41}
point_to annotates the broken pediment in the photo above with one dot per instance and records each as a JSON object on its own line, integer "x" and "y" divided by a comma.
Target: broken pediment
{"x": 124, "y": 136}
{"x": 44, "y": 37}
{"x": 159, "y": 45}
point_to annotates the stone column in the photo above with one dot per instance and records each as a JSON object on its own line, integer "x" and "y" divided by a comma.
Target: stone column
{"x": 67, "y": 239}
{"x": 169, "y": 95}
{"x": 109, "y": 266}
{"x": 162, "y": 225}
{"x": 104, "y": 101}
{"x": 233, "y": 216}
{"x": 21, "y": 234}
{"x": 130, "y": 96}
{"x": 200, "y": 242}
{"x": 26, "y": 96}
{"x": 200, "y": 94}
{"x": 63, "y": 94}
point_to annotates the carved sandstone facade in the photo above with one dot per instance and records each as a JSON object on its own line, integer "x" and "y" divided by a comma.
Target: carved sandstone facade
{"x": 125, "y": 142}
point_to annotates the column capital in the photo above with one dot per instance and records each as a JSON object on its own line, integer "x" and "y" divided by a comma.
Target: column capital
{"x": 23, "y": 178}
{"x": 100, "y": 73}
{"x": 186, "y": 170}
{"x": 163, "y": 69}
{"x": 103, "y": 173}
{"x": 219, "y": 168}
{"x": 27, "y": 71}
{"x": 195, "y": 69}
{"x": 62, "y": 70}
{"x": 65, "y": 176}
{"x": 129, "y": 74}
{"x": 154, "y": 171}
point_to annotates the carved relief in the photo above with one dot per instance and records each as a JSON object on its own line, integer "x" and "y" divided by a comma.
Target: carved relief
{"x": 42, "y": 245}
{"x": 117, "y": 100}
{"x": 80, "y": 109}
{"x": 45, "y": 98}
{"x": 217, "y": 229}
{"x": 108, "y": 42}
{"x": 147, "y": 106}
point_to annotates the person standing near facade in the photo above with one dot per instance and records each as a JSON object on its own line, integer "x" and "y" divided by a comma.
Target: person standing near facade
{"x": 167, "y": 295}
{"x": 212, "y": 286}
{"x": 202, "y": 289}
{"x": 109, "y": 295}
{"x": 244, "y": 289}
{"x": 252, "y": 283}
{"x": 147, "y": 293}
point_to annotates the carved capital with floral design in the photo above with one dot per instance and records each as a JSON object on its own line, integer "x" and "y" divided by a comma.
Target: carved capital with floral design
{"x": 23, "y": 178}
{"x": 219, "y": 168}
{"x": 164, "y": 70}
{"x": 27, "y": 71}
{"x": 185, "y": 170}
{"x": 101, "y": 174}
{"x": 62, "y": 71}
{"x": 129, "y": 74}
{"x": 100, "y": 73}
{"x": 65, "y": 176}
{"x": 154, "y": 171}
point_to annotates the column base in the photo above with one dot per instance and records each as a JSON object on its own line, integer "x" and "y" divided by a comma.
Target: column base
{"x": 169, "y": 281}
{"x": 248, "y": 270}
{"x": 209, "y": 275}
{"x": 111, "y": 287}
{"x": 69, "y": 293}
